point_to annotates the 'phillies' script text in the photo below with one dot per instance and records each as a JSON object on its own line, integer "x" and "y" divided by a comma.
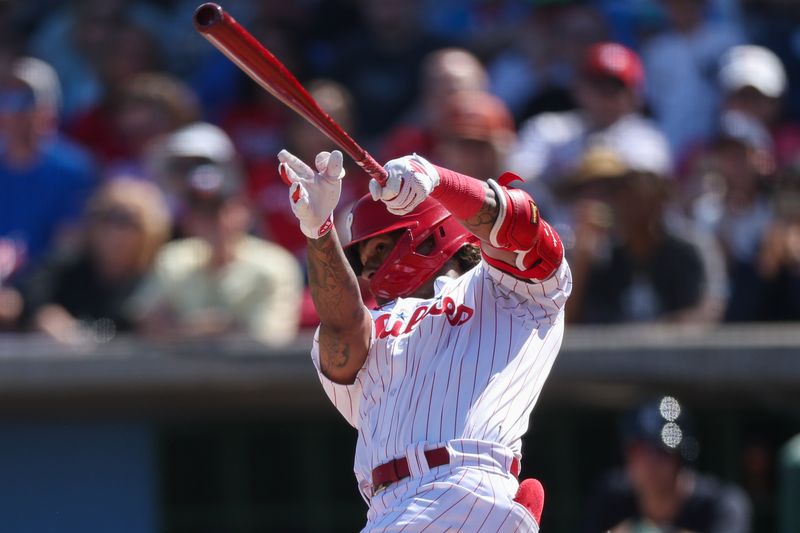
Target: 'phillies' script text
{"x": 456, "y": 314}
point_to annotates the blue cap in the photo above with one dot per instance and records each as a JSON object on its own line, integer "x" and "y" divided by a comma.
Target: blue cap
{"x": 663, "y": 424}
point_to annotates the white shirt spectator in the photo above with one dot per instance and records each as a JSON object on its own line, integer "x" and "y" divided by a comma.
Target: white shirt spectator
{"x": 550, "y": 145}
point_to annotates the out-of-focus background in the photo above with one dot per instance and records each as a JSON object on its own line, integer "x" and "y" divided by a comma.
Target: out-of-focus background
{"x": 154, "y": 318}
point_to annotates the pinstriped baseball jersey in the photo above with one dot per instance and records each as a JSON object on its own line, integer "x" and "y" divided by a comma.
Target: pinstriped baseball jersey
{"x": 463, "y": 369}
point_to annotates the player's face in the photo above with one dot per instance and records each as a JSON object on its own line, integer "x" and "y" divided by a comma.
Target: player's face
{"x": 373, "y": 252}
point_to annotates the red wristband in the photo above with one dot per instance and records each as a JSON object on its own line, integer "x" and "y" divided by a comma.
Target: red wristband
{"x": 462, "y": 195}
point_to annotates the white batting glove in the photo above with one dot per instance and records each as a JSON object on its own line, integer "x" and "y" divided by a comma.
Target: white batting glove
{"x": 411, "y": 180}
{"x": 313, "y": 195}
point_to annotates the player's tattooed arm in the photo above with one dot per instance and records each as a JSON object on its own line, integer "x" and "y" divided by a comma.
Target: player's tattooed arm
{"x": 480, "y": 223}
{"x": 345, "y": 327}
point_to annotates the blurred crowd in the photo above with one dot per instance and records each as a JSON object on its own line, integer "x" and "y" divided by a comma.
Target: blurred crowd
{"x": 138, "y": 175}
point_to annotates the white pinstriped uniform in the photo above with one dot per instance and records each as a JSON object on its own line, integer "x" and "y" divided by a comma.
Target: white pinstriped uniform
{"x": 462, "y": 370}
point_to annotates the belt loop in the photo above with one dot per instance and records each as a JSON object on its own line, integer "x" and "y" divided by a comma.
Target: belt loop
{"x": 417, "y": 462}
{"x": 393, "y": 466}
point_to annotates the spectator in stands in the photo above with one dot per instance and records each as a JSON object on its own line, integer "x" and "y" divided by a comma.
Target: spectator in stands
{"x": 219, "y": 280}
{"x": 658, "y": 490}
{"x": 474, "y": 134}
{"x": 255, "y": 120}
{"x": 380, "y": 64}
{"x": 199, "y": 143}
{"x": 83, "y": 295}
{"x": 536, "y": 73}
{"x": 445, "y": 72}
{"x": 488, "y": 27}
{"x": 301, "y": 138}
{"x": 260, "y": 128}
{"x": 75, "y": 38}
{"x": 226, "y": 94}
{"x": 608, "y": 91}
{"x": 628, "y": 263}
{"x": 779, "y": 257}
{"x": 753, "y": 82}
{"x": 681, "y": 64}
{"x": 44, "y": 180}
{"x": 130, "y": 51}
{"x": 10, "y": 298}
{"x": 735, "y": 206}
{"x": 212, "y": 77}
{"x": 773, "y": 24}
{"x": 148, "y": 108}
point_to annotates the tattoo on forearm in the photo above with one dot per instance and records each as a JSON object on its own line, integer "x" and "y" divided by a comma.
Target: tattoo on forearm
{"x": 485, "y": 217}
{"x": 336, "y": 296}
{"x": 481, "y": 222}
{"x": 331, "y": 281}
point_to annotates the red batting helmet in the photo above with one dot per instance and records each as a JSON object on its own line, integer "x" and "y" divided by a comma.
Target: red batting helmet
{"x": 406, "y": 268}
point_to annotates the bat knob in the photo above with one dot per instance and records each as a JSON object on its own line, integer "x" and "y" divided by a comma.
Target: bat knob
{"x": 207, "y": 15}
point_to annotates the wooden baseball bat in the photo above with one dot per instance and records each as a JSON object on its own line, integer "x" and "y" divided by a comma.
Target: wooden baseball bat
{"x": 230, "y": 38}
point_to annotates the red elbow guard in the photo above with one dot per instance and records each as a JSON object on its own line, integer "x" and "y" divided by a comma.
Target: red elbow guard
{"x": 517, "y": 225}
{"x": 537, "y": 263}
{"x": 519, "y": 228}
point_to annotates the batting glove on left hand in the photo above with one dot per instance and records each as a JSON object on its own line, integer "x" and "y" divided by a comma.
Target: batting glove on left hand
{"x": 411, "y": 179}
{"x": 313, "y": 195}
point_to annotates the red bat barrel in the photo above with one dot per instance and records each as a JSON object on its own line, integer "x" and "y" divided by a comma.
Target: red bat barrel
{"x": 230, "y": 38}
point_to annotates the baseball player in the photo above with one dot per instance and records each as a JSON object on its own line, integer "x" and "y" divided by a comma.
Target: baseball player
{"x": 440, "y": 379}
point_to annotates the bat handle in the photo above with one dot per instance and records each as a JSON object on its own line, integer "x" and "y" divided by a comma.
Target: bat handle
{"x": 373, "y": 168}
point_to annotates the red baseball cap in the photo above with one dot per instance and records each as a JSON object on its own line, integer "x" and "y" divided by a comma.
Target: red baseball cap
{"x": 616, "y": 61}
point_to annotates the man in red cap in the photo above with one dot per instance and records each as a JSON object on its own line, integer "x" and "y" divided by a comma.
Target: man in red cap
{"x": 441, "y": 378}
{"x": 609, "y": 95}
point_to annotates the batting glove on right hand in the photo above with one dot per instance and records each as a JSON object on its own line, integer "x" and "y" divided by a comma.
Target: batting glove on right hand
{"x": 410, "y": 180}
{"x": 313, "y": 195}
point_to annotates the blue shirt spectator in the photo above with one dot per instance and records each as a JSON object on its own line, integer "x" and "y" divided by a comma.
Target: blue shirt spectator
{"x": 44, "y": 180}
{"x": 40, "y": 198}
